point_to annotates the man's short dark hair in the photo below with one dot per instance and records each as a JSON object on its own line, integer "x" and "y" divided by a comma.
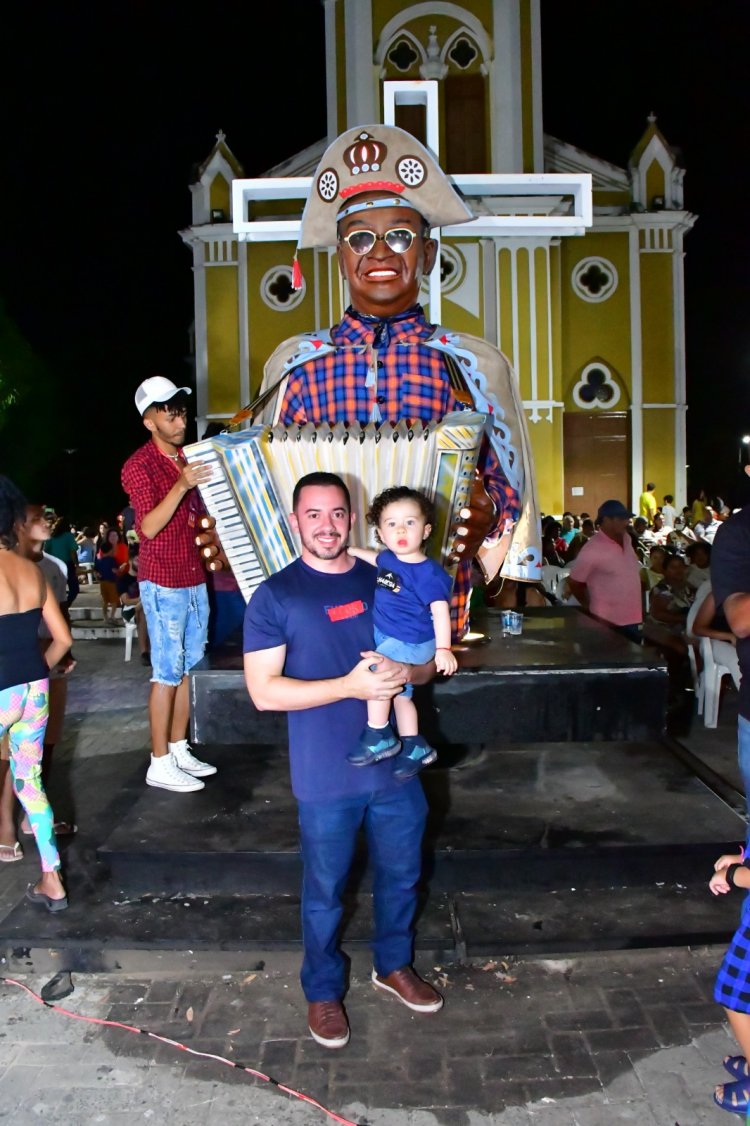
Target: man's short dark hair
{"x": 320, "y": 478}
{"x": 669, "y": 498}
{"x": 178, "y": 404}
{"x": 650, "y": 486}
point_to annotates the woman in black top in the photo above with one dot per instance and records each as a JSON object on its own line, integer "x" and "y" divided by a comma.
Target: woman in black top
{"x": 24, "y": 689}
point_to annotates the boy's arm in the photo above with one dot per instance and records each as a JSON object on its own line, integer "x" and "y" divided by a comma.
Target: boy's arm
{"x": 270, "y": 690}
{"x": 445, "y": 660}
{"x": 366, "y": 554}
{"x": 720, "y": 883}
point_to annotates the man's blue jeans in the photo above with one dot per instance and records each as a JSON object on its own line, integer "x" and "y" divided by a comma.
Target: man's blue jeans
{"x": 743, "y": 755}
{"x": 394, "y": 823}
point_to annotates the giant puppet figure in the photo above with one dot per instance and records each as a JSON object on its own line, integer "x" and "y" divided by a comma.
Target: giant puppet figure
{"x": 375, "y": 196}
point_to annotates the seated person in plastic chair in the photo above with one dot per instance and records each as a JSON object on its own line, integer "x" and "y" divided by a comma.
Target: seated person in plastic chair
{"x": 130, "y": 601}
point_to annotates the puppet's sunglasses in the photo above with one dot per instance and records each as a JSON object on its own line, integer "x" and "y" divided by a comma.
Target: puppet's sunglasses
{"x": 398, "y": 239}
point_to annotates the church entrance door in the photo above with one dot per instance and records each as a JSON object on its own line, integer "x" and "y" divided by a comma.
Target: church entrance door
{"x": 596, "y": 457}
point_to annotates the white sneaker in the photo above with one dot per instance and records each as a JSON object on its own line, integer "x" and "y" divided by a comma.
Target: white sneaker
{"x": 186, "y": 760}
{"x": 166, "y": 774}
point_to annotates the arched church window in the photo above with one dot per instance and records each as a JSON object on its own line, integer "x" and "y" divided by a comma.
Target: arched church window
{"x": 277, "y": 292}
{"x": 463, "y": 53}
{"x": 594, "y": 279}
{"x": 402, "y": 55}
{"x": 597, "y": 389}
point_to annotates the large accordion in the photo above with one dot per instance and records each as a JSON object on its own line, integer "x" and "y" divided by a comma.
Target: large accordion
{"x": 255, "y": 471}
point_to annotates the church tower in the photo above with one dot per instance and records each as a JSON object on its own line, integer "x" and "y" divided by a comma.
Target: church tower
{"x": 593, "y": 325}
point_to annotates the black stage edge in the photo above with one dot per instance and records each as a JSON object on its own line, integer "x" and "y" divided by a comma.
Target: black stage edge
{"x": 535, "y": 817}
{"x": 535, "y": 850}
{"x": 567, "y": 678}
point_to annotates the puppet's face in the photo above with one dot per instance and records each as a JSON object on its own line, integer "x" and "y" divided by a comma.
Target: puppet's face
{"x": 383, "y": 281}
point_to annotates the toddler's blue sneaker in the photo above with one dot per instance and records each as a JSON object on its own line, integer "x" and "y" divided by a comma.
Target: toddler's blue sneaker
{"x": 416, "y": 753}
{"x": 375, "y": 743}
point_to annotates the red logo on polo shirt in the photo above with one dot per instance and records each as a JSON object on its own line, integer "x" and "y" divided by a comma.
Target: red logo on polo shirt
{"x": 347, "y": 610}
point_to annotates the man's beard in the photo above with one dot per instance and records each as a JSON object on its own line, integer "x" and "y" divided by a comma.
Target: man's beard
{"x": 327, "y": 553}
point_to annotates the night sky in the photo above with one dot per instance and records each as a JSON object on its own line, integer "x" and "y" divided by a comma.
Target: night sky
{"x": 105, "y": 111}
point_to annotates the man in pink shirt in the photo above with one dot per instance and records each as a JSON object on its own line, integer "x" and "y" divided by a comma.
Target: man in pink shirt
{"x": 605, "y": 577}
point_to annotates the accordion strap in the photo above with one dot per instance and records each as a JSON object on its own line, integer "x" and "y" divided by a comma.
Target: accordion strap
{"x": 457, "y": 381}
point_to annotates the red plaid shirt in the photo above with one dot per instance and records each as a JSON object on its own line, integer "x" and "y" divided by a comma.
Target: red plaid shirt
{"x": 384, "y": 371}
{"x": 171, "y": 557}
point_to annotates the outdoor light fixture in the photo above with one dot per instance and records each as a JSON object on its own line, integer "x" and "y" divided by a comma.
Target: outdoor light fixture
{"x": 745, "y": 442}
{"x": 218, "y": 215}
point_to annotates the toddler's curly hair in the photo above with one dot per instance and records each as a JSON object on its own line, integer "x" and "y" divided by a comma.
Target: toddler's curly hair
{"x": 400, "y": 492}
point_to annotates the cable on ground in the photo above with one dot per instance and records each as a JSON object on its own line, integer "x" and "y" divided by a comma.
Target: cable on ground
{"x": 184, "y": 1048}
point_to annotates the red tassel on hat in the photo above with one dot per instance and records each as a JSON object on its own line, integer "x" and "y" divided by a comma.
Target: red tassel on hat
{"x": 297, "y": 279}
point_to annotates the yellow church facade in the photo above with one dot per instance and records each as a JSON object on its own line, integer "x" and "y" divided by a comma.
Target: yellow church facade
{"x": 593, "y": 324}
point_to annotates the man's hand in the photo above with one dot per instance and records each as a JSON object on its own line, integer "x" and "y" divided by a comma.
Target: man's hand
{"x": 476, "y": 520}
{"x": 375, "y": 677}
{"x": 197, "y": 473}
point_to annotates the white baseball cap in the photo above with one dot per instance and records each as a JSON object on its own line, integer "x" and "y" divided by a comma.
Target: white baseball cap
{"x": 157, "y": 389}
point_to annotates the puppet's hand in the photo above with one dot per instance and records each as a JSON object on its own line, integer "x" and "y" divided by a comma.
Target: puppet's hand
{"x": 475, "y": 522}
{"x": 212, "y": 553}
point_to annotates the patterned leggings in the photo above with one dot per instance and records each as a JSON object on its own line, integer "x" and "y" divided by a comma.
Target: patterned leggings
{"x": 23, "y": 714}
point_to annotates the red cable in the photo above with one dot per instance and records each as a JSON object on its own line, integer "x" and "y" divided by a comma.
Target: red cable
{"x": 184, "y": 1048}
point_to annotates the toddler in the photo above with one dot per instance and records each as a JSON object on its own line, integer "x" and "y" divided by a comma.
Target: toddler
{"x": 412, "y": 623}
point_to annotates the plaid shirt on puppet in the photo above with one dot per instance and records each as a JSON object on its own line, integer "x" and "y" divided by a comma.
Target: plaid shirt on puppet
{"x": 171, "y": 557}
{"x": 383, "y": 371}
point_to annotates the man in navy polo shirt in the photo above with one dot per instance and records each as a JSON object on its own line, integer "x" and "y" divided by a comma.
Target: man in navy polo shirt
{"x": 308, "y": 645}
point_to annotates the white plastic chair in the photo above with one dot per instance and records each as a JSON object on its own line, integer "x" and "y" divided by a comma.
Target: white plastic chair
{"x": 699, "y": 683}
{"x": 714, "y": 672}
{"x": 553, "y": 577}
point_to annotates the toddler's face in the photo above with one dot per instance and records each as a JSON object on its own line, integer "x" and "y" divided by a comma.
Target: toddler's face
{"x": 402, "y": 528}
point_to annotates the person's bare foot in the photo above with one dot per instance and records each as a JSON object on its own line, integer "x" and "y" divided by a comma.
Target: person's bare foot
{"x": 50, "y": 885}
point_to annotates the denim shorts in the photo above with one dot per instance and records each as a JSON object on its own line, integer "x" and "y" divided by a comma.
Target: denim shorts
{"x": 407, "y": 652}
{"x": 177, "y": 619}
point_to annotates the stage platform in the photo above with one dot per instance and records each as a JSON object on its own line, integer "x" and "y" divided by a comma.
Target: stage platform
{"x": 578, "y": 825}
{"x": 566, "y": 678}
{"x": 533, "y": 850}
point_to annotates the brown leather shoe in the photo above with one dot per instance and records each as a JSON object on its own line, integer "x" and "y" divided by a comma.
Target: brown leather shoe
{"x": 410, "y": 990}
{"x": 328, "y": 1024}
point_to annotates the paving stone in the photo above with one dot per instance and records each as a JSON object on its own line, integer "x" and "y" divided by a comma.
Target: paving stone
{"x": 624, "y": 1007}
{"x": 578, "y": 1020}
{"x": 668, "y": 1023}
{"x": 627, "y": 1039}
{"x": 571, "y": 1055}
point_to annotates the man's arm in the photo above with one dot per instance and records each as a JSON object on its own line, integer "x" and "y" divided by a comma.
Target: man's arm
{"x": 579, "y": 591}
{"x": 270, "y": 690}
{"x": 157, "y": 519}
{"x": 737, "y": 613}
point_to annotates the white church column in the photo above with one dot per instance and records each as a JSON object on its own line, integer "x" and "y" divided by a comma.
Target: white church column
{"x": 360, "y": 84}
{"x": 680, "y": 394}
{"x": 636, "y": 368}
{"x": 242, "y": 322}
{"x": 201, "y": 335}
{"x": 505, "y": 106}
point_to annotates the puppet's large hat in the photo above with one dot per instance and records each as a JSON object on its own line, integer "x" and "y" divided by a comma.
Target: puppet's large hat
{"x": 378, "y": 158}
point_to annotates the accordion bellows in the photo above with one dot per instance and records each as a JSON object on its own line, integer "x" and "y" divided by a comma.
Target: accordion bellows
{"x": 255, "y": 471}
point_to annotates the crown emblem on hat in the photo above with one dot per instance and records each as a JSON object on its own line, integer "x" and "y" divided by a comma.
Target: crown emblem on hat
{"x": 365, "y": 155}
